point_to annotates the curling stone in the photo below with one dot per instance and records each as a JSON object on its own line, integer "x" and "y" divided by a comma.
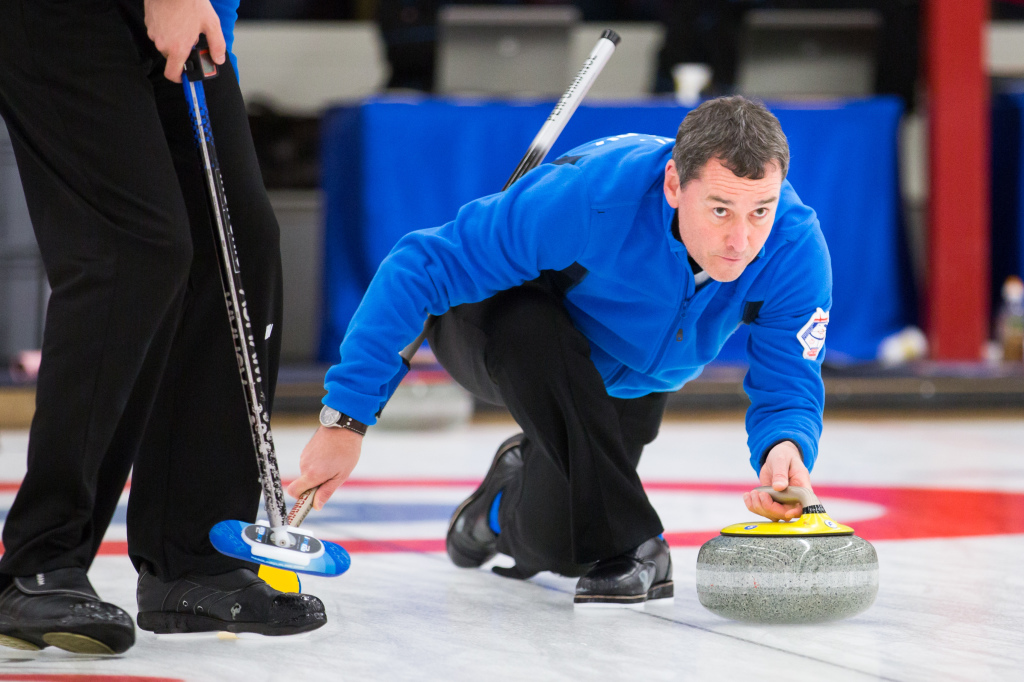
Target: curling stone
{"x": 808, "y": 570}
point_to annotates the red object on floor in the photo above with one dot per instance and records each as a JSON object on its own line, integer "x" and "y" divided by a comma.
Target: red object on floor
{"x": 71, "y": 677}
{"x": 910, "y": 513}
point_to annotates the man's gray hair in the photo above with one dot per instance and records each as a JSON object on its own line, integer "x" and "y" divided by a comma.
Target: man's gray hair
{"x": 739, "y": 132}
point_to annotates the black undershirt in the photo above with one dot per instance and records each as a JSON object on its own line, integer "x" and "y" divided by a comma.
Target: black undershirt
{"x": 699, "y": 275}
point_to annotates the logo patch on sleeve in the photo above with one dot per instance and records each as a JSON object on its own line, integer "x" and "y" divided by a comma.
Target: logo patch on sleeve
{"x": 812, "y": 335}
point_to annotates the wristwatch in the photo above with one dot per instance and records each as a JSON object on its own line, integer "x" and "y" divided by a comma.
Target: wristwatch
{"x": 332, "y": 419}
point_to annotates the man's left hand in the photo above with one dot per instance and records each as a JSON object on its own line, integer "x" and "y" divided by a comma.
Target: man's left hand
{"x": 782, "y": 468}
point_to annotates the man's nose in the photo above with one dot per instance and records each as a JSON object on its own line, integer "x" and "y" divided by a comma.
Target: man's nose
{"x": 737, "y": 238}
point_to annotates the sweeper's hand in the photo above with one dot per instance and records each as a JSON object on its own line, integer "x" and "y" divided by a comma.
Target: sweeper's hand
{"x": 174, "y": 27}
{"x": 782, "y": 468}
{"x": 327, "y": 461}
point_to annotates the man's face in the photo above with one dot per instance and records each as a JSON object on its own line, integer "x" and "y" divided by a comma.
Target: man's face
{"x": 724, "y": 220}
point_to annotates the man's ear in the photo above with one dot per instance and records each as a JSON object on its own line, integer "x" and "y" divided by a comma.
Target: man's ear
{"x": 671, "y": 184}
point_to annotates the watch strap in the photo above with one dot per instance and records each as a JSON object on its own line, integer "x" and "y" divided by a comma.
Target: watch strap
{"x": 346, "y": 422}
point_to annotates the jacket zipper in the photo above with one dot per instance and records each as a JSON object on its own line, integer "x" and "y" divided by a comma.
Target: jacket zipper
{"x": 675, "y": 328}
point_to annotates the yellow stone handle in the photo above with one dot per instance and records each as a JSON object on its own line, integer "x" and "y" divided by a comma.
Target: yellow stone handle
{"x": 793, "y": 493}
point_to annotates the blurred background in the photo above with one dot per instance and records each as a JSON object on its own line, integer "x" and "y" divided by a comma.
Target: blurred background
{"x": 372, "y": 118}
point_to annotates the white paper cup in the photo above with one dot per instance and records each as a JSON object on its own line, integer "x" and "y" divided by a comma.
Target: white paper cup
{"x": 690, "y": 80}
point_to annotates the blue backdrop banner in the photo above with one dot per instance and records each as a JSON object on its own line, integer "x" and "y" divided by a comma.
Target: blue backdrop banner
{"x": 395, "y": 165}
{"x": 1007, "y": 191}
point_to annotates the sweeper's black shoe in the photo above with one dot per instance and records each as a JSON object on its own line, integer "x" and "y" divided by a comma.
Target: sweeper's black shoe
{"x": 60, "y": 608}
{"x": 470, "y": 541}
{"x": 237, "y": 601}
{"x": 639, "y": 575}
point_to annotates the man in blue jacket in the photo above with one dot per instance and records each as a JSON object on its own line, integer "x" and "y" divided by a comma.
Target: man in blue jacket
{"x": 579, "y": 298}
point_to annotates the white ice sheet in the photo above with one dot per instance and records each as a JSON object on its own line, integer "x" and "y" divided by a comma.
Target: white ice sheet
{"x": 948, "y": 608}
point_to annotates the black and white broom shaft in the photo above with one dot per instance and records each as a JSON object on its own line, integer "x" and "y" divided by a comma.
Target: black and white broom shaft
{"x": 548, "y": 134}
{"x": 241, "y": 326}
{"x": 566, "y": 106}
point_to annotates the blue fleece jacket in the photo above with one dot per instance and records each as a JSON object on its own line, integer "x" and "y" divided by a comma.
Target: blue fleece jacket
{"x": 601, "y": 207}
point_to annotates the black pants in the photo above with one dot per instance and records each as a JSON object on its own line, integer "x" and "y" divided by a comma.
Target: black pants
{"x": 581, "y": 499}
{"x": 138, "y": 364}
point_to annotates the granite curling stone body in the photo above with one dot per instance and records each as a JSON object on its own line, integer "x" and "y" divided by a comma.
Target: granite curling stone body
{"x": 809, "y": 570}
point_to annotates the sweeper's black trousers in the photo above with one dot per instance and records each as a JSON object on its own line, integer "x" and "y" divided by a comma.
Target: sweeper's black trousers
{"x": 581, "y": 499}
{"x": 138, "y": 363}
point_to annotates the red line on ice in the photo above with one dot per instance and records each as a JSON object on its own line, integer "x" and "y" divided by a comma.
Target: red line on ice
{"x": 71, "y": 677}
{"x": 910, "y": 513}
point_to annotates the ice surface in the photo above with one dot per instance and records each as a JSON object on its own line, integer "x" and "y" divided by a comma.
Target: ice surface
{"x": 948, "y": 607}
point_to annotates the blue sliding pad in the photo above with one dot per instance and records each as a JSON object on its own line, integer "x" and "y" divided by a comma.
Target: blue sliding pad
{"x": 251, "y": 542}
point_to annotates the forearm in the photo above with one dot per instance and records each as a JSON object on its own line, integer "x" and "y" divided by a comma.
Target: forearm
{"x": 785, "y": 349}
{"x": 776, "y": 417}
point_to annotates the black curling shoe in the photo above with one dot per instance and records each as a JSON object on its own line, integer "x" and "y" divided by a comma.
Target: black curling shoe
{"x": 60, "y": 608}
{"x": 470, "y": 541}
{"x": 639, "y": 575}
{"x": 237, "y": 601}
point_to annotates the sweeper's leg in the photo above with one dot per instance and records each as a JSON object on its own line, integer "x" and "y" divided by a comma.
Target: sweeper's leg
{"x": 113, "y": 233}
{"x": 197, "y": 464}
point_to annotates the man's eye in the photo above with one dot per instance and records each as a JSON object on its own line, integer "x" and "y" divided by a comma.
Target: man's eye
{"x": 720, "y": 212}
{"x": 761, "y": 212}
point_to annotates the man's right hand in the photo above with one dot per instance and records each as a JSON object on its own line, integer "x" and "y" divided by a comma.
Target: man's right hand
{"x": 174, "y": 27}
{"x": 783, "y": 467}
{"x": 327, "y": 461}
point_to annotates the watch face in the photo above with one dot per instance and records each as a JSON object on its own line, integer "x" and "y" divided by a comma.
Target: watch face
{"x": 329, "y": 416}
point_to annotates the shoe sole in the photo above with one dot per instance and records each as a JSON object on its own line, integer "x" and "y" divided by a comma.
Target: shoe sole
{"x": 463, "y": 560}
{"x": 77, "y": 644}
{"x": 664, "y": 590}
{"x": 164, "y": 623}
{"x": 20, "y": 644}
{"x": 39, "y": 638}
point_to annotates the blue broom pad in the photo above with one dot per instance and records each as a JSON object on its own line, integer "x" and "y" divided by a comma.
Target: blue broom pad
{"x": 226, "y": 538}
